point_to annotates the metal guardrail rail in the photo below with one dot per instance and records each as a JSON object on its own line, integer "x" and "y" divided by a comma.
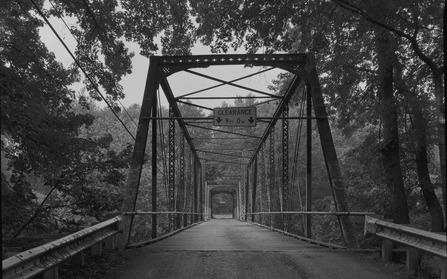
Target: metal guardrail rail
{"x": 302, "y": 238}
{"x": 162, "y": 237}
{"x": 305, "y": 238}
{"x": 336, "y": 213}
{"x": 415, "y": 240}
{"x": 161, "y": 212}
{"x": 46, "y": 258}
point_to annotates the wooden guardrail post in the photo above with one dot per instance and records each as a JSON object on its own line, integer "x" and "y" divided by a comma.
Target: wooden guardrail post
{"x": 51, "y": 273}
{"x": 111, "y": 243}
{"x": 96, "y": 249}
{"x": 444, "y": 268}
{"x": 387, "y": 250}
{"x": 412, "y": 261}
{"x": 79, "y": 259}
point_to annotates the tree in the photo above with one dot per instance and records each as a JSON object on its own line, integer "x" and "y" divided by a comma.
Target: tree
{"x": 423, "y": 32}
{"x": 420, "y": 137}
{"x": 385, "y": 46}
{"x": 40, "y": 131}
{"x": 342, "y": 36}
{"x": 100, "y": 49}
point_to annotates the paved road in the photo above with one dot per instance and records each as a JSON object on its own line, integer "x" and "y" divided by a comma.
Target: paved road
{"x": 226, "y": 248}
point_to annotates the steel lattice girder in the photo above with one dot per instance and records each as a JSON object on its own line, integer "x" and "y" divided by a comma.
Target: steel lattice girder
{"x": 176, "y": 113}
{"x": 285, "y": 157}
{"x": 285, "y": 165}
{"x": 293, "y": 86}
{"x": 182, "y": 173}
{"x": 171, "y": 162}
{"x": 289, "y": 62}
{"x": 272, "y": 160}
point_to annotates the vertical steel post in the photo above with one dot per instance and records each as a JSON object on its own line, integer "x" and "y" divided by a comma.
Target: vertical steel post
{"x": 190, "y": 193}
{"x": 154, "y": 168}
{"x": 267, "y": 184}
{"x": 171, "y": 163}
{"x": 254, "y": 186}
{"x": 233, "y": 200}
{"x": 272, "y": 190}
{"x": 196, "y": 190}
{"x": 136, "y": 163}
{"x": 309, "y": 163}
{"x": 181, "y": 190}
{"x": 207, "y": 190}
{"x": 186, "y": 187}
{"x": 247, "y": 176}
{"x": 211, "y": 207}
{"x": 285, "y": 166}
{"x": 239, "y": 201}
{"x": 262, "y": 184}
{"x": 201, "y": 193}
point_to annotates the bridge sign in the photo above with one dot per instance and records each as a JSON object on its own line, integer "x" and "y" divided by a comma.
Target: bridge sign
{"x": 235, "y": 116}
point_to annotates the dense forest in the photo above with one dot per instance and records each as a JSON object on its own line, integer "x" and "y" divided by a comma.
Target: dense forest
{"x": 65, "y": 159}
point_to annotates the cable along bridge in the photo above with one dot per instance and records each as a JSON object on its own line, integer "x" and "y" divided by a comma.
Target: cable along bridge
{"x": 186, "y": 241}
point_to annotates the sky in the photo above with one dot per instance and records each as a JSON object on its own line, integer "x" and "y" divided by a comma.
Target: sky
{"x": 181, "y": 83}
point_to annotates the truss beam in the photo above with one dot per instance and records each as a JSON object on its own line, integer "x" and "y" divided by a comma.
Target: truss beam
{"x": 222, "y": 84}
{"x": 223, "y": 131}
{"x": 293, "y": 86}
{"x": 223, "y": 154}
{"x": 176, "y": 113}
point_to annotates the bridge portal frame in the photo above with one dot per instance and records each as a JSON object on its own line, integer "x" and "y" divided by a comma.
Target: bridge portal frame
{"x": 305, "y": 75}
{"x": 233, "y": 190}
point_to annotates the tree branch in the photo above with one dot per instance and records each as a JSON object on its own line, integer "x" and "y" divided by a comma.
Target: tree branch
{"x": 412, "y": 38}
{"x": 361, "y": 69}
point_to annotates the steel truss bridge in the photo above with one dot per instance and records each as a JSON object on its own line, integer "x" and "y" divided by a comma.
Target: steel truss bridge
{"x": 189, "y": 195}
{"x": 304, "y": 78}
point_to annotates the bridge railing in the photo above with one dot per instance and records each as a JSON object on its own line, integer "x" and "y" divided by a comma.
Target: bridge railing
{"x": 189, "y": 219}
{"x": 46, "y": 258}
{"x": 415, "y": 241}
{"x": 281, "y": 221}
{"x": 335, "y": 213}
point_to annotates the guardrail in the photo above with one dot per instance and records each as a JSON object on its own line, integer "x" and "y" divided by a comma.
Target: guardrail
{"x": 337, "y": 213}
{"x": 182, "y": 225}
{"x": 415, "y": 240}
{"x": 161, "y": 212}
{"x": 307, "y": 238}
{"x": 46, "y": 258}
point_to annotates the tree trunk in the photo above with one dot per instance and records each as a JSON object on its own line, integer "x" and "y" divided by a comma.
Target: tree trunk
{"x": 437, "y": 216}
{"x": 420, "y": 133}
{"x": 385, "y": 47}
{"x": 440, "y": 109}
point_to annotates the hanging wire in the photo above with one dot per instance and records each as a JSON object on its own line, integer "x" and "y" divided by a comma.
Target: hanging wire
{"x": 81, "y": 67}
{"x": 88, "y": 76}
{"x": 59, "y": 15}
{"x": 128, "y": 114}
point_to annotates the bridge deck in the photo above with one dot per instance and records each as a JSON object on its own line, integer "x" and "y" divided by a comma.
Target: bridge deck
{"x": 226, "y": 248}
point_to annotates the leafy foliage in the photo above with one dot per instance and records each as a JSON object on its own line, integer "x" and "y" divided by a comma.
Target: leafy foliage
{"x": 40, "y": 132}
